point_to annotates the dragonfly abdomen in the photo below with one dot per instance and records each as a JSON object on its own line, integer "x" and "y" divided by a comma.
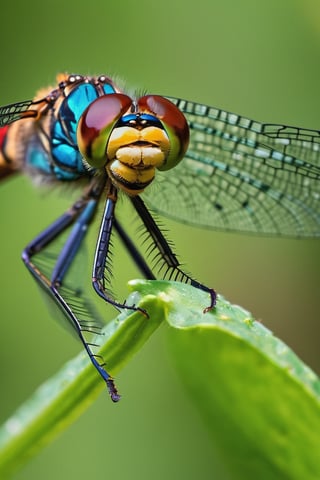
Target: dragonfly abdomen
{"x": 5, "y": 164}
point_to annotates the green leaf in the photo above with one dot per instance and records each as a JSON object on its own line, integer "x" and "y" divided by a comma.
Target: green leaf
{"x": 60, "y": 400}
{"x": 259, "y": 401}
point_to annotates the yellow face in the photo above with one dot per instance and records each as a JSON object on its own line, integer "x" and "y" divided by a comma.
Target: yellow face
{"x": 135, "y": 154}
{"x": 132, "y": 139}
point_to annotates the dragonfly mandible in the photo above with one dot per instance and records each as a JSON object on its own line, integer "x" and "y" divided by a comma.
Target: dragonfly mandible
{"x": 230, "y": 173}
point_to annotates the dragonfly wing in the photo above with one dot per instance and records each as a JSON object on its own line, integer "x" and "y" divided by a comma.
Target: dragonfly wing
{"x": 300, "y": 143}
{"x": 242, "y": 175}
{"x": 16, "y": 111}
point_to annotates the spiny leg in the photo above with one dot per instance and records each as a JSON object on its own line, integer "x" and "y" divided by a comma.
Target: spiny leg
{"x": 165, "y": 253}
{"x": 79, "y": 215}
{"x": 100, "y": 265}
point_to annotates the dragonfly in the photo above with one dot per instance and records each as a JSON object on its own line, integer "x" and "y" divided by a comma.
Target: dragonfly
{"x": 229, "y": 173}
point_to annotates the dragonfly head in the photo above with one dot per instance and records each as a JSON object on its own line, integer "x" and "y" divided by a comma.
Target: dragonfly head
{"x": 131, "y": 139}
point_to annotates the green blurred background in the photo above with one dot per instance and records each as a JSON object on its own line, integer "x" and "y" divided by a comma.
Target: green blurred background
{"x": 259, "y": 59}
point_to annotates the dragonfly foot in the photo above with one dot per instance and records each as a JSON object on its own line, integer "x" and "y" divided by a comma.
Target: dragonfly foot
{"x": 113, "y": 392}
{"x": 144, "y": 312}
{"x": 213, "y": 297}
{"x": 135, "y": 309}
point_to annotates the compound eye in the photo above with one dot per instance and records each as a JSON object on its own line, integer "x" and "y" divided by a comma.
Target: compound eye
{"x": 174, "y": 123}
{"x": 96, "y": 124}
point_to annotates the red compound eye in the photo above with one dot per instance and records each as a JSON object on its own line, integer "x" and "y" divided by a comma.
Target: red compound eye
{"x": 96, "y": 124}
{"x": 173, "y": 122}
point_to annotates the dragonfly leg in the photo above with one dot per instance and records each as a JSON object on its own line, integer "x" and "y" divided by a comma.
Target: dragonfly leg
{"x": 79, "y": 215}
{"x": 102, "y": 251}
{"x": 167, "y": 256}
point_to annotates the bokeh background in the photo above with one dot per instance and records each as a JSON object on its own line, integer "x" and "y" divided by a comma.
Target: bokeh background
{"x": 259, "y": 59}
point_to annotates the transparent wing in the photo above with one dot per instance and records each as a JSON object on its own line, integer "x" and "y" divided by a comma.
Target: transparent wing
{"x": 242, "y": 175}
{"x": 16, "y": 111}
